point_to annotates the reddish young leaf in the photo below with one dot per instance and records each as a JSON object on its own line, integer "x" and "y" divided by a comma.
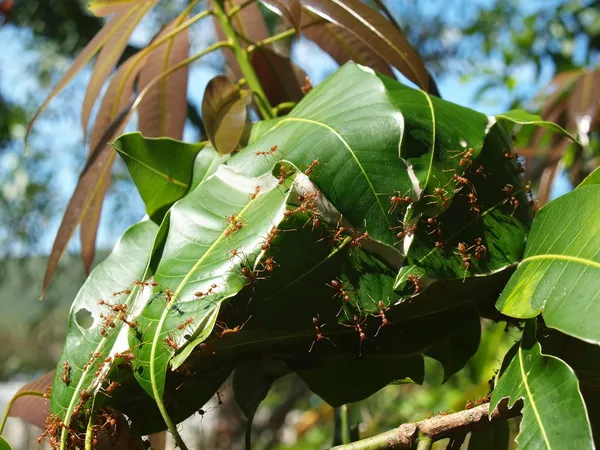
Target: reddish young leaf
{"x": 224, "y": 113}
{"x": 384, "y": 38}
{"x": 281, "y": 78}
{"x": 344, "y": 46}
{"x": 291, "y": 10}
{"x": 163, "y": 110}
{"x": 109, "y": 56}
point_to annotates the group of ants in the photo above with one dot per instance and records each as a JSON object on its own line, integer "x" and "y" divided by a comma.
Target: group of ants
{"x": 308, "y": 206}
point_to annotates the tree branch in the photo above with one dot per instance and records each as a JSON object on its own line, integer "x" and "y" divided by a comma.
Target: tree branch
{"x": 435, "y": 428}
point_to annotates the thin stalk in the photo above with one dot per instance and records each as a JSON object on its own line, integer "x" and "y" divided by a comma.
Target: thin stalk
{"x": 345, "y": 422}
{"x": 236, "y": 9}
{"x": 280, "y": 36}
{"x": 243, "y": 60}
{"x": 12, "y": 401}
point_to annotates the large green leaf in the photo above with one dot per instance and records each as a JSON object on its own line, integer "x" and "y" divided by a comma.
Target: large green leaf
{"x": 197, "y": 271}
{"x": 90, "y": 338}
{"x": 4, "y": 445}
{"x": 161, "y": 168}
{"x": 559, "y": 275}
{"x": 554, "y": 415}
{"x": 373, "y": 139}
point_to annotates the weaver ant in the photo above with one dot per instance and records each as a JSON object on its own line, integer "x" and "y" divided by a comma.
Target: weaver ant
{"x": 441, "y": 193}
{"x": 66, "y": 373}
{"x": 310, "y": 167}
{"x": 396, "y": 200}
{"x": 515, "y": 204}
{"x": 269, "y": 264}
{"x": 283, "y": 175}
{"x": 270, "y": 152}
{"x": 111, "y": 387}
{"x": 384, "y": 320}
{"x": 255, "y": 193}
{"x": 435, "y": 225}
{"x": 479, "y": 250}
{"x": 406, "y": 231}
{"x": 123, "y": 292}
{"x": 472, "y": 199}
{"x": 356, "y": 242}
{"x": 465, "y": 157}
{"x": 185, "y": 323}
{"x": 235, "y": 329}
{"x": 171, "y": 343}
{"x": 464, "y": 255}
{"x": 320, "y": 336}
{"x": 415, "y": 282}
{"x": 307, "y": 86}
{"x": 361, "y": 334}
{"x": 480, "y": 170}
{"x": 478, "y": 402}
{"x": 339, "y": 286}
{"x": 208, "y": 292}
{"x": 460, "y": 182}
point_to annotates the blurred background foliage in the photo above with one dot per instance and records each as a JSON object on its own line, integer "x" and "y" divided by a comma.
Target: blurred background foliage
{"x": 492, "y": 55}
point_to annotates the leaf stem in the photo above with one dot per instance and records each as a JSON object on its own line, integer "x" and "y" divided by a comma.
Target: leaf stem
{"x": 236, "y": 9}
{"x": 424, "y": 443}
{"x": 345, "y": 424}
{"x": 243, "y": 59}
{"x": 12, "y": 401}
{"x": 280, "y": 36}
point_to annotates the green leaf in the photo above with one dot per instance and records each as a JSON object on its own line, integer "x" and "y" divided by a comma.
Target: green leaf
{"x": 362, "y": 130}
{"x": 4, "y": 445}
{"x": 197, "y": 271}
{"x": 224, "y": 113}
{"x": 90, "y": 340}
{"x": 559, "y": 275}
{"x": 554, "y": 415}
{"x": 592, "y": 178}
{"x": 494, "y": 436}
{"x": 379, "y": 370}
{"x": 161, "y": 168}
{"x": 206, "y": 163}
{"x": 520, "y": 117}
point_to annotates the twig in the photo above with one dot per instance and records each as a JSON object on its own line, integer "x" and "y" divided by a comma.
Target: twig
{"x": 435, "y": 428}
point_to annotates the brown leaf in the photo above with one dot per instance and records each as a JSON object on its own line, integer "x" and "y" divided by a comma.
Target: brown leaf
{"x": 224, "y": 113}
{"x": 281, "y": 78}
{"x": 116, "y": 99}
{"x": 114, "y": 112}
{"x": 111, "y": 27}
{"x": 163, "y": 110}
{"x": 291, "y": 10}
{"x": 33, "y": 409}
{"x": 109, "y": 56}
{"x": 384, "y": 38}
{"x": 584, "y": 103}
{"x": 344, "y": 46}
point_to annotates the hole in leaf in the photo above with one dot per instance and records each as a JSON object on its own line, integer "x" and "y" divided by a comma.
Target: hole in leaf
{"x": 84, "y": 318}
{"x": 140, "y": 370}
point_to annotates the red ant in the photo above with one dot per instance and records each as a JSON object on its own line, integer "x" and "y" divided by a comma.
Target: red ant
{"x": 124, "y": 291}
{"x": 464, "y": 255}
{"x": 435, "y": 224}
{"x": 111, "y": 387}
{"x": 384, "y": 320}
{"x": 396, "y": 200}
{"x": 307, "y": 86}
{"x": 270, "y": 152}
{"x": 515, "y": 204}
{"x": 507, "y": 189}
{"x": 361, "y": 334}
{"x": 231, "y": 330}
{"x": 272, "y": 235}
{"x": 66, "y": 373}
{"x": 478, "y": 402}
{"x": 185, "y": 323}
{"x": 208, "y": 292}
{"x": 415, "y": 282}
{"x": 406, "y": 231}
{"x": 320, "y": 336}
{"x": 465, "y": 159}
{"x": 472, "y": 199}
{"x": 480, "y": 250}
{"x": 255, "y": 193}
{"x": 508, "y": 155}
{"x": 356, "y": 242}
{"x": 339, "y": 286}
{"x": 269, "y": 264}
{"x": 441, "y": 193}
{"x": 480, "y": 170}
{"x": 171, "y": 343}
{"x": 310, "y": 167}
{"x": 283, "y": 175}
{"x": 439, "y": 244}
{"x": 460, "y": 182}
